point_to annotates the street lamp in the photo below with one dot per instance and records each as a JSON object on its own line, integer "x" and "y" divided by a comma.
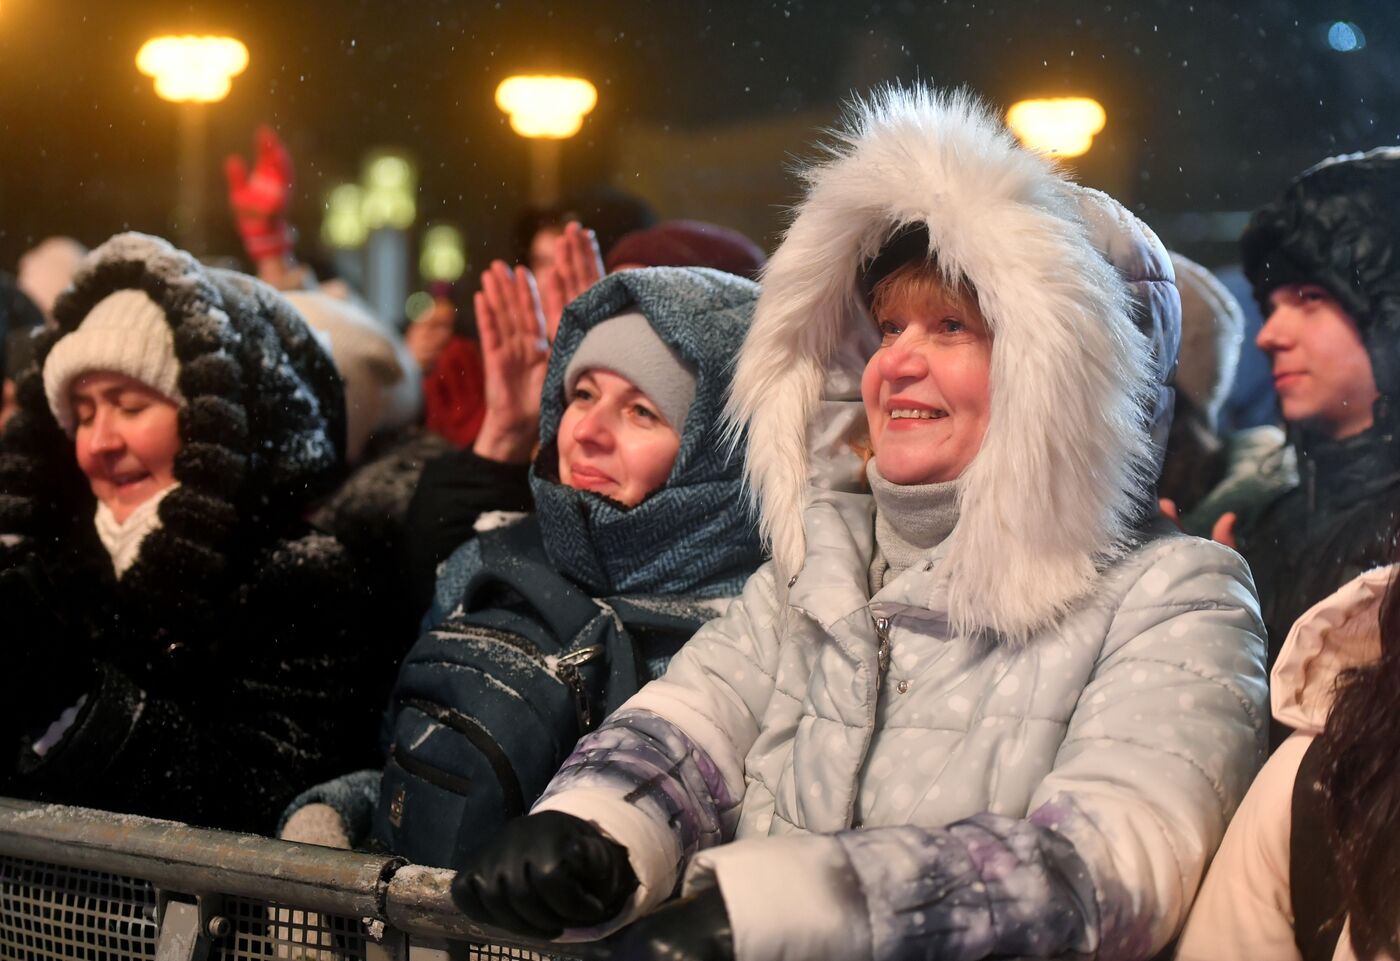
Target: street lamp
{"x": 389, "y": 191}
{"x": 545, "y": 111}
{"x": 192, "y": 71}
{"x": 1062, "y": 126}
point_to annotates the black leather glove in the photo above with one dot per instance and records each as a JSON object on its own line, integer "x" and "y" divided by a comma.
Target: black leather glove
{"x": 692, "y": 929}
{"x": 544, "y": 873}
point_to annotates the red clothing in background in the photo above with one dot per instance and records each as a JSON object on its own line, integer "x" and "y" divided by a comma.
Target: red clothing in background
{"x": 454, "y": 392}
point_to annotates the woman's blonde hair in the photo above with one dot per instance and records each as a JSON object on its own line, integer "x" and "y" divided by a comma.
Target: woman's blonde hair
{"x": 921, "y": 279}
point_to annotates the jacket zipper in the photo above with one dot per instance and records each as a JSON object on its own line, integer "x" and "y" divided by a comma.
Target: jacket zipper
{"x": 882, "y": 651}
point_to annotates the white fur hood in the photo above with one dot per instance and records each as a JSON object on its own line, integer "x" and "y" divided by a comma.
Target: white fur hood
{"x": 1339, "y": 632}
{"x": 1085, "y": 319}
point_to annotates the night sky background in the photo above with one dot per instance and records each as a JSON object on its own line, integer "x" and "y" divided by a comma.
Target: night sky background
{"x": 1212, "y": 107}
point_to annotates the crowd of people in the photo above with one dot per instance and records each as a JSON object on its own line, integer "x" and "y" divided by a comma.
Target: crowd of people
{"x": 900, "y": 596}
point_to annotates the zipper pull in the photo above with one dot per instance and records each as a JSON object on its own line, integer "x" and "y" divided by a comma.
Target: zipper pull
{"x": 568, "y": 668}
{"x": 882, "y": 653}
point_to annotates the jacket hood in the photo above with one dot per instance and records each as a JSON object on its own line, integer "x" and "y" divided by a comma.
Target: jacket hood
{"x": 694, "y": 534}
{"x": 1212, "y": 332}
{"x": 383, "y": 386}
{"x": 1085, "y": 320}
{"x": 1340, "y": 632}
{"x": 262, "y": 431}
{"x": 1338, "y": 226}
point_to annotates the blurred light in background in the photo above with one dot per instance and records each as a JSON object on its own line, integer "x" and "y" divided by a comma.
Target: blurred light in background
{"x": 344, "y": 224}
{"x": 443, "y": 256}
{"x": 1345, "y": 37}
{"x": 390, "y": 184}
{"x": 417, "y": 302}
{"x": 552, "y": 107}
{"x": 192, "y": 69}
{"x": 1062, "y": 126}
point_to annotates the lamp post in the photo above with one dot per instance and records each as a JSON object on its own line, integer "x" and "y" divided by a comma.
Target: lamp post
{"x": 192, "y": 71}
{"x": 388, "y": 206}
{"x": 545, "y": 111}
{"x": 1061, "y": 126}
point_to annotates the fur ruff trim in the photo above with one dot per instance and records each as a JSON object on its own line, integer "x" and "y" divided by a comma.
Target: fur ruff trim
{"x": 1067, "y": 462}
{"x": 262, "y": 429}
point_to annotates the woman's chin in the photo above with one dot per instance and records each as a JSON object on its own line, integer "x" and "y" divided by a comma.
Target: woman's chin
{"x": 908, "y": 471}
{"x": 126, "y": 498}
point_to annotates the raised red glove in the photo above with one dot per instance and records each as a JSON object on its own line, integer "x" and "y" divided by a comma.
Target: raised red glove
{"x": 259, "y": 201}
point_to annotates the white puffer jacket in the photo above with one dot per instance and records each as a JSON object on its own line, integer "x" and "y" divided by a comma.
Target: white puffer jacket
{"x": 1030, "y": 742}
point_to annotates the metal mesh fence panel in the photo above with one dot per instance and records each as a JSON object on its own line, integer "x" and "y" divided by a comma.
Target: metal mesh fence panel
{"x": 500, "y": 952}
{"x": 48, "y": 912}
{"x": 262, "y": 929}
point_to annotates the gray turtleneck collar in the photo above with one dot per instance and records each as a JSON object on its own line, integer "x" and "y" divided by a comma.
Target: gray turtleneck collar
{"x": 910, "y": 521}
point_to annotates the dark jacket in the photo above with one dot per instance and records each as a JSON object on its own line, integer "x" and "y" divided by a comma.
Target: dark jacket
{"x": 370, "y": 515}
{"x": 1336, "y": 524}
{"x": 227, "y": 669}
{"x": 1337, "y": 226}
{"x": 453, "y": 492}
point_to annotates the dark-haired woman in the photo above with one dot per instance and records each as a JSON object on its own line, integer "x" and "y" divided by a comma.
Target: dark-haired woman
{"x": 1310, "y": 866}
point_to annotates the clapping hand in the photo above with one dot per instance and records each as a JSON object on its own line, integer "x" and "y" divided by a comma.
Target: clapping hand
{"x": 514, "y": 356}
{"x": 578, "y": 265}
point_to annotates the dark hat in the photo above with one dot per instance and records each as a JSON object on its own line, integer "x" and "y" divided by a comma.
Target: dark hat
{"x": 1338, "y": 226}
{"x": 689, "y": 243}
{"x": 908, "y": 244}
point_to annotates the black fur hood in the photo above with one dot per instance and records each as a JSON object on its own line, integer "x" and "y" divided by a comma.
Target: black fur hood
{"x": 262, "y": 433}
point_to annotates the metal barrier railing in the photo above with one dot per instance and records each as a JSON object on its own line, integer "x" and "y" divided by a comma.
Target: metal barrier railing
{"x": 96, "y": 886}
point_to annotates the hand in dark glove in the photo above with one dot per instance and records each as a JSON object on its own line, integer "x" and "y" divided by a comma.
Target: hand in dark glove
{"x": 544, "y": 873}
{"x": 692, "y": 929}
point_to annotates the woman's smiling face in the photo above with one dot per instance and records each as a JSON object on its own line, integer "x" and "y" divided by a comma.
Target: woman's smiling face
{"x": 126, "y": 439}
{"x": 613, "y": 440}
{"x": 927, "y": 389}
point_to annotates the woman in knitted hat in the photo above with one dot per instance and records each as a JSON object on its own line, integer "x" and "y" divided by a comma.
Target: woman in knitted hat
{"x": 983, "y": 702}
{"x": 179, "y": 644}
{"x": 639, "y": 535}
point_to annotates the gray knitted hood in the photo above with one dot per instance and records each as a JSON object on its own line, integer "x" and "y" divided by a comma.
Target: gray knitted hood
{"x": 694, "y": 535}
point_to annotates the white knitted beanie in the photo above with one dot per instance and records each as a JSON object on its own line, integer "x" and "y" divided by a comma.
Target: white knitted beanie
{"x": 127, "y": 333}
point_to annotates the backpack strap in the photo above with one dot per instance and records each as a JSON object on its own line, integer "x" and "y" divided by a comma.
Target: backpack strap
{"x": 1314, "y": 885}
{"x": 514, "y": 557}
{"x": 597, "y": 656}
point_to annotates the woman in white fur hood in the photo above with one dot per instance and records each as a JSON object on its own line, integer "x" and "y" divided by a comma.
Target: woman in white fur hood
{"x": 978, "y": 704}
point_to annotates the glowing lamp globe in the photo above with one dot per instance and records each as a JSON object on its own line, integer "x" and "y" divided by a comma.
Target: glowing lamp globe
{"x": 546, "y": 107}
{"x": 390, "y": 189}
{"x": 344, "y": 224}
{"x": 444, "y": 256}
{"x": 192, "y": 69}
{"x": 1061, "y": 126}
